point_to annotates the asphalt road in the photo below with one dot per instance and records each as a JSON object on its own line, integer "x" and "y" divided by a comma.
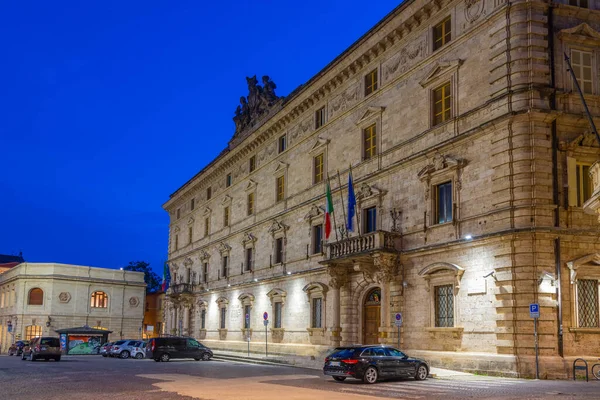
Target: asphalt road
{"x": 95, "y": 377}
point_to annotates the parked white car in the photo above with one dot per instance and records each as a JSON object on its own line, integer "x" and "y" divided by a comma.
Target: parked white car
{"x": 138, "y": 352}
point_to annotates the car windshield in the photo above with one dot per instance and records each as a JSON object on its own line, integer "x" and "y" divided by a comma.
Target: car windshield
{"x": 342, "y": 353}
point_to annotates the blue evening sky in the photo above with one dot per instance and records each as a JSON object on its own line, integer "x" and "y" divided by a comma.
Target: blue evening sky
{"x": 107, "y": 107}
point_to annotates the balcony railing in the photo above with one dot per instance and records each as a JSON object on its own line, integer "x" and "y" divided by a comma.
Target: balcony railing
{"x": 378, "y": 240}
{"x": 182, "y": 288}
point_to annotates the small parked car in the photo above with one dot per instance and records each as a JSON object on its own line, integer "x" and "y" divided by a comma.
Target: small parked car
{"x": 122, "y": 348}
{"x": 166, "y": 348}
{"x": 372, "y": 363}
{"x": 105, "y": 349}
{"x": 17, "y": 347}
{"x": 42, "y": 347}
{"x": 138, "y": 352}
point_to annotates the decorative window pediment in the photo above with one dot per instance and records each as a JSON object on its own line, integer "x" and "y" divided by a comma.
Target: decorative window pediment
{"x": 226, "y": 200}
{"x": 314, "y": 212}
{"x": 190, "y": 221}
{"x": 315, "y": 289}
{"x": 206, "y": 212}
{"x": 204, "y": 256}
{"x": 173, "y": 267}
{"x": 222, "y": 302}
{"x": 247, "y": 299}
{"x": 371, "y": 112}
{"x": 202, "y": 304}
{"x": 188, "y": 262}
{"x": 176, "y": 229}
{"x": 281, "y": 168}
{"x": 277, "y": 228}
{"x": 223, "y": 248}
{"x": 441, "y": 70}
{"x": 588, "y": 266}
{"x": 251, "y": 186}
{"x": 366, "y": 191}
{"x": 319, "y": 145}
{"x": 582, "y": 33}
{"x": 586, "y": 139}
{"x": 441, "y": 270}
{"x": 277, "y": 295}
{"x": 249, "y": 239}
{"x": 442, "y": 167}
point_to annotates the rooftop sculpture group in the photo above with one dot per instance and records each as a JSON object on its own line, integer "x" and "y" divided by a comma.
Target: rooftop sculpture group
{"x": 258, "y": 103}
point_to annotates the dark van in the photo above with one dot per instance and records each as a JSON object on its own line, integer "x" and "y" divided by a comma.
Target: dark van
{"x": 166, "y": 348}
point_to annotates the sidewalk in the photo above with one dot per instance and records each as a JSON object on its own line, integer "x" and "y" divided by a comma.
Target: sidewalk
{"x": 307, "y": 362}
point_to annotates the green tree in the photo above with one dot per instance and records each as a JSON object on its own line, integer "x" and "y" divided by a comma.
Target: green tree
{"x": 153, "y": 281}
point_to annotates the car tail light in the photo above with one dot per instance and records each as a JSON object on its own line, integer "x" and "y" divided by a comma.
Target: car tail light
{"x": 349, "y": 361}
{"x": 116, "y": 347}
{"x": 326, "y": 359}
{"x": 153, "y": 345}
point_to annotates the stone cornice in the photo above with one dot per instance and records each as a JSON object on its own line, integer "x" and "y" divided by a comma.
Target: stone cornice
{"x": 326, "y": 82}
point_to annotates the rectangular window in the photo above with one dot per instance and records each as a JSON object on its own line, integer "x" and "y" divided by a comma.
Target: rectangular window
{"x": 208, "y": 193}
{"x": 203, "y": 319}
{"x": 442, "y": 34}
{"x": 280, "y": 184}
{"x": 317, "y": 309}
{"x": 226, "y": 216}
{"x": 32, "y": 331}
{"x": 319, "y": 117}
{"x": 318, "y": 169}
{"x": 222, "y": 318}
{"x": 579, "y": 3}
{"x": 190, "y": 233}
{"x": 250, "y": 203}
{"x": 249, "y": 259}
{"x": 584, "y": 184}
{"x": 443, "y": 203}
{"x": 277, "y": 312}
{"x": 370, "y": 219}
{"x": 228, "y": 180}
{"x": 178, "y": 213}
{"x": 371, "y": 82}
{"x": 205, "y": 272}
{"x": 369, "y": 142}
{"x": 252, "y": 164}
{"x": 176, "y": 242}
{"x": 587, "y": 303}
{"x": 278, "y": 250}
{"x": 192, "y": 204}
{"x": 206, "y": 226}
{"x": 282, "y": 143}
{"x": 317, "y": 239}
{"x": 442, "y": 104}
{"x": 581, "y": 61}
{"x": 225, "y": 267}
{"x": 444, "y": 306}
{"x": 247, "y": 310}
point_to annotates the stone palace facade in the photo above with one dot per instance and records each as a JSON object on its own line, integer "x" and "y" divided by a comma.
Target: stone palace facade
{"x": 470, "y": 153}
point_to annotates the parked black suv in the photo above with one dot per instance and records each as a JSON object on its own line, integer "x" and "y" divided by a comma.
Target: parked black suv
{"x": 371, "y": 363}
{"x": 166, "y": 348}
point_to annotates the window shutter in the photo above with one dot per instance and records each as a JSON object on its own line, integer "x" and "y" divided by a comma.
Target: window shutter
{"x": 572, "y": 181}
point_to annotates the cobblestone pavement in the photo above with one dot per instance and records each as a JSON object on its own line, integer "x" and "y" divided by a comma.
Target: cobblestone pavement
{"x": 94, "y": 377}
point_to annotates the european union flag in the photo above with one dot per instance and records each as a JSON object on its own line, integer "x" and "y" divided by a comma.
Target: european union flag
{"x": 351, "y": 204}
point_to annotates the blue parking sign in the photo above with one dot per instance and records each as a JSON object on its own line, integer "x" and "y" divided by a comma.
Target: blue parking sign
{"x": 534, "y": 310}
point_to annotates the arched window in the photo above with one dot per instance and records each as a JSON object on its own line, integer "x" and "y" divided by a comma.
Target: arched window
{"x": 36, "y": 297}
{"x": 99, "y": 299}
{"x": 32, "y": 331}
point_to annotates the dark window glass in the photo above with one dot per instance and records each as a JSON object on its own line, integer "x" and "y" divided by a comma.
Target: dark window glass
{"x": 203, "y": 319}
{"x": 278, "y": 251}
{"x": 52, "y": 342}
{"x": 587, "y": 303}
{"x": 282, "y": 143}
{"x": 228, "y": 180}
{"x": 208, "y": 193}
{"x": 246, "y": 320}
{"x": 370, "y": 219}
{"x": 319, "y": 117}
{"x": 317, "y": 308}
{"x": 442, "y": 33}
{"x": 249, "y": 254}
{"x": 192, "y": 203}
{"x": 343, "y": 353}
{"x": 444, "y": 306}
{"x": 224, "y": 267}
{"x": 371, "y": 82}
{"x": 277, "y": 315}
{"x": 317, "y": 239}
{"x": 222, "y": 319}
{"x": 443, "y": 202}
{"x": 252, "y": 164}
{"x": 205, "y": 274}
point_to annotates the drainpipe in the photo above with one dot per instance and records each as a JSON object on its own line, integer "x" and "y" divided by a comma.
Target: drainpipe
{"x": 555, "y": 180}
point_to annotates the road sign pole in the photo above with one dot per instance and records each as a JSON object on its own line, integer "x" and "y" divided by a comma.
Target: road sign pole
{"x": 398, "y": 338}
{"x": 266, "y": 340}
{"x": 537, "y": 359}
{"x": 248, "y": 340}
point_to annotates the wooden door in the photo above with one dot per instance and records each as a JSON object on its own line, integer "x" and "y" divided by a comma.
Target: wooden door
{"x": 372, "y": 317}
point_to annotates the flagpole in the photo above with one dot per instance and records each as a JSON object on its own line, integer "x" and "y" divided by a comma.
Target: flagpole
{"x": 334, "y": 223}
{"x": 355, "y": 210}
{"x": 343, "y": 206}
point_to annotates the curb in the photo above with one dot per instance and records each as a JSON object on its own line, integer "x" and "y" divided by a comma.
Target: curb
{"x": 250, "y": 360}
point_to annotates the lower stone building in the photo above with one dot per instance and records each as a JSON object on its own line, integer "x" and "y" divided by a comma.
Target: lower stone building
{"x": 39, "y": 298}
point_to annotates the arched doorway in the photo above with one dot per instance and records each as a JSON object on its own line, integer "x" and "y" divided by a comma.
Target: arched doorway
{"x": 372, "y": 316}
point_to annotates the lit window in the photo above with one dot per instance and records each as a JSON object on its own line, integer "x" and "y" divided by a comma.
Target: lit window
{"x": 36, "y": 297}
{"x": 579, "y": 3}
{"x": 371, "y": 82}
{"x": 208, "y": 193}
{"x": 250, "y": 203}
{"x": 252, "y": 164}
{"x": 282, "y": 143}
{"x": 369, "y": 142}
{"x": 319, "y": 117}
{"x": 444, "y": 306}
{"x": 317, "y": 239}
{"x": 228, "y": 180}
{"x": 442, "y": 34}
{"x": 226, "y": 216}
{"x": 581, "y": 62}
{"x": 317, "y": 311}
{"x": 370, "y": 219}
{"x": 277, "y": 307}
{"x": 443, "y": 203}
{"x": 206, "y": 226}
{"x": 99, "y": 300}
{"x": 584, "y": 184}
{"x": 249, "y": 259}
{"x": 318, "y": 169}
{"x": 225, "y": 267}
{"x": 278, "y": 250}
{"x": 32, "y": 331}
{"x": 442, "y": 108}
{"x": 280, "y": 195}
{"x": 190, "y": 234}
{"x": 587, "y": 303}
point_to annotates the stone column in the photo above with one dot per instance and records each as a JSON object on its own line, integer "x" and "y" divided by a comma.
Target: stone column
{"x": 338, "y": 278}
{"x": 385, "y": 271}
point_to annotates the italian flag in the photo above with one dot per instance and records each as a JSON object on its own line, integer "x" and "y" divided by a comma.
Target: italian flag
{"x": 328, "y": 211}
